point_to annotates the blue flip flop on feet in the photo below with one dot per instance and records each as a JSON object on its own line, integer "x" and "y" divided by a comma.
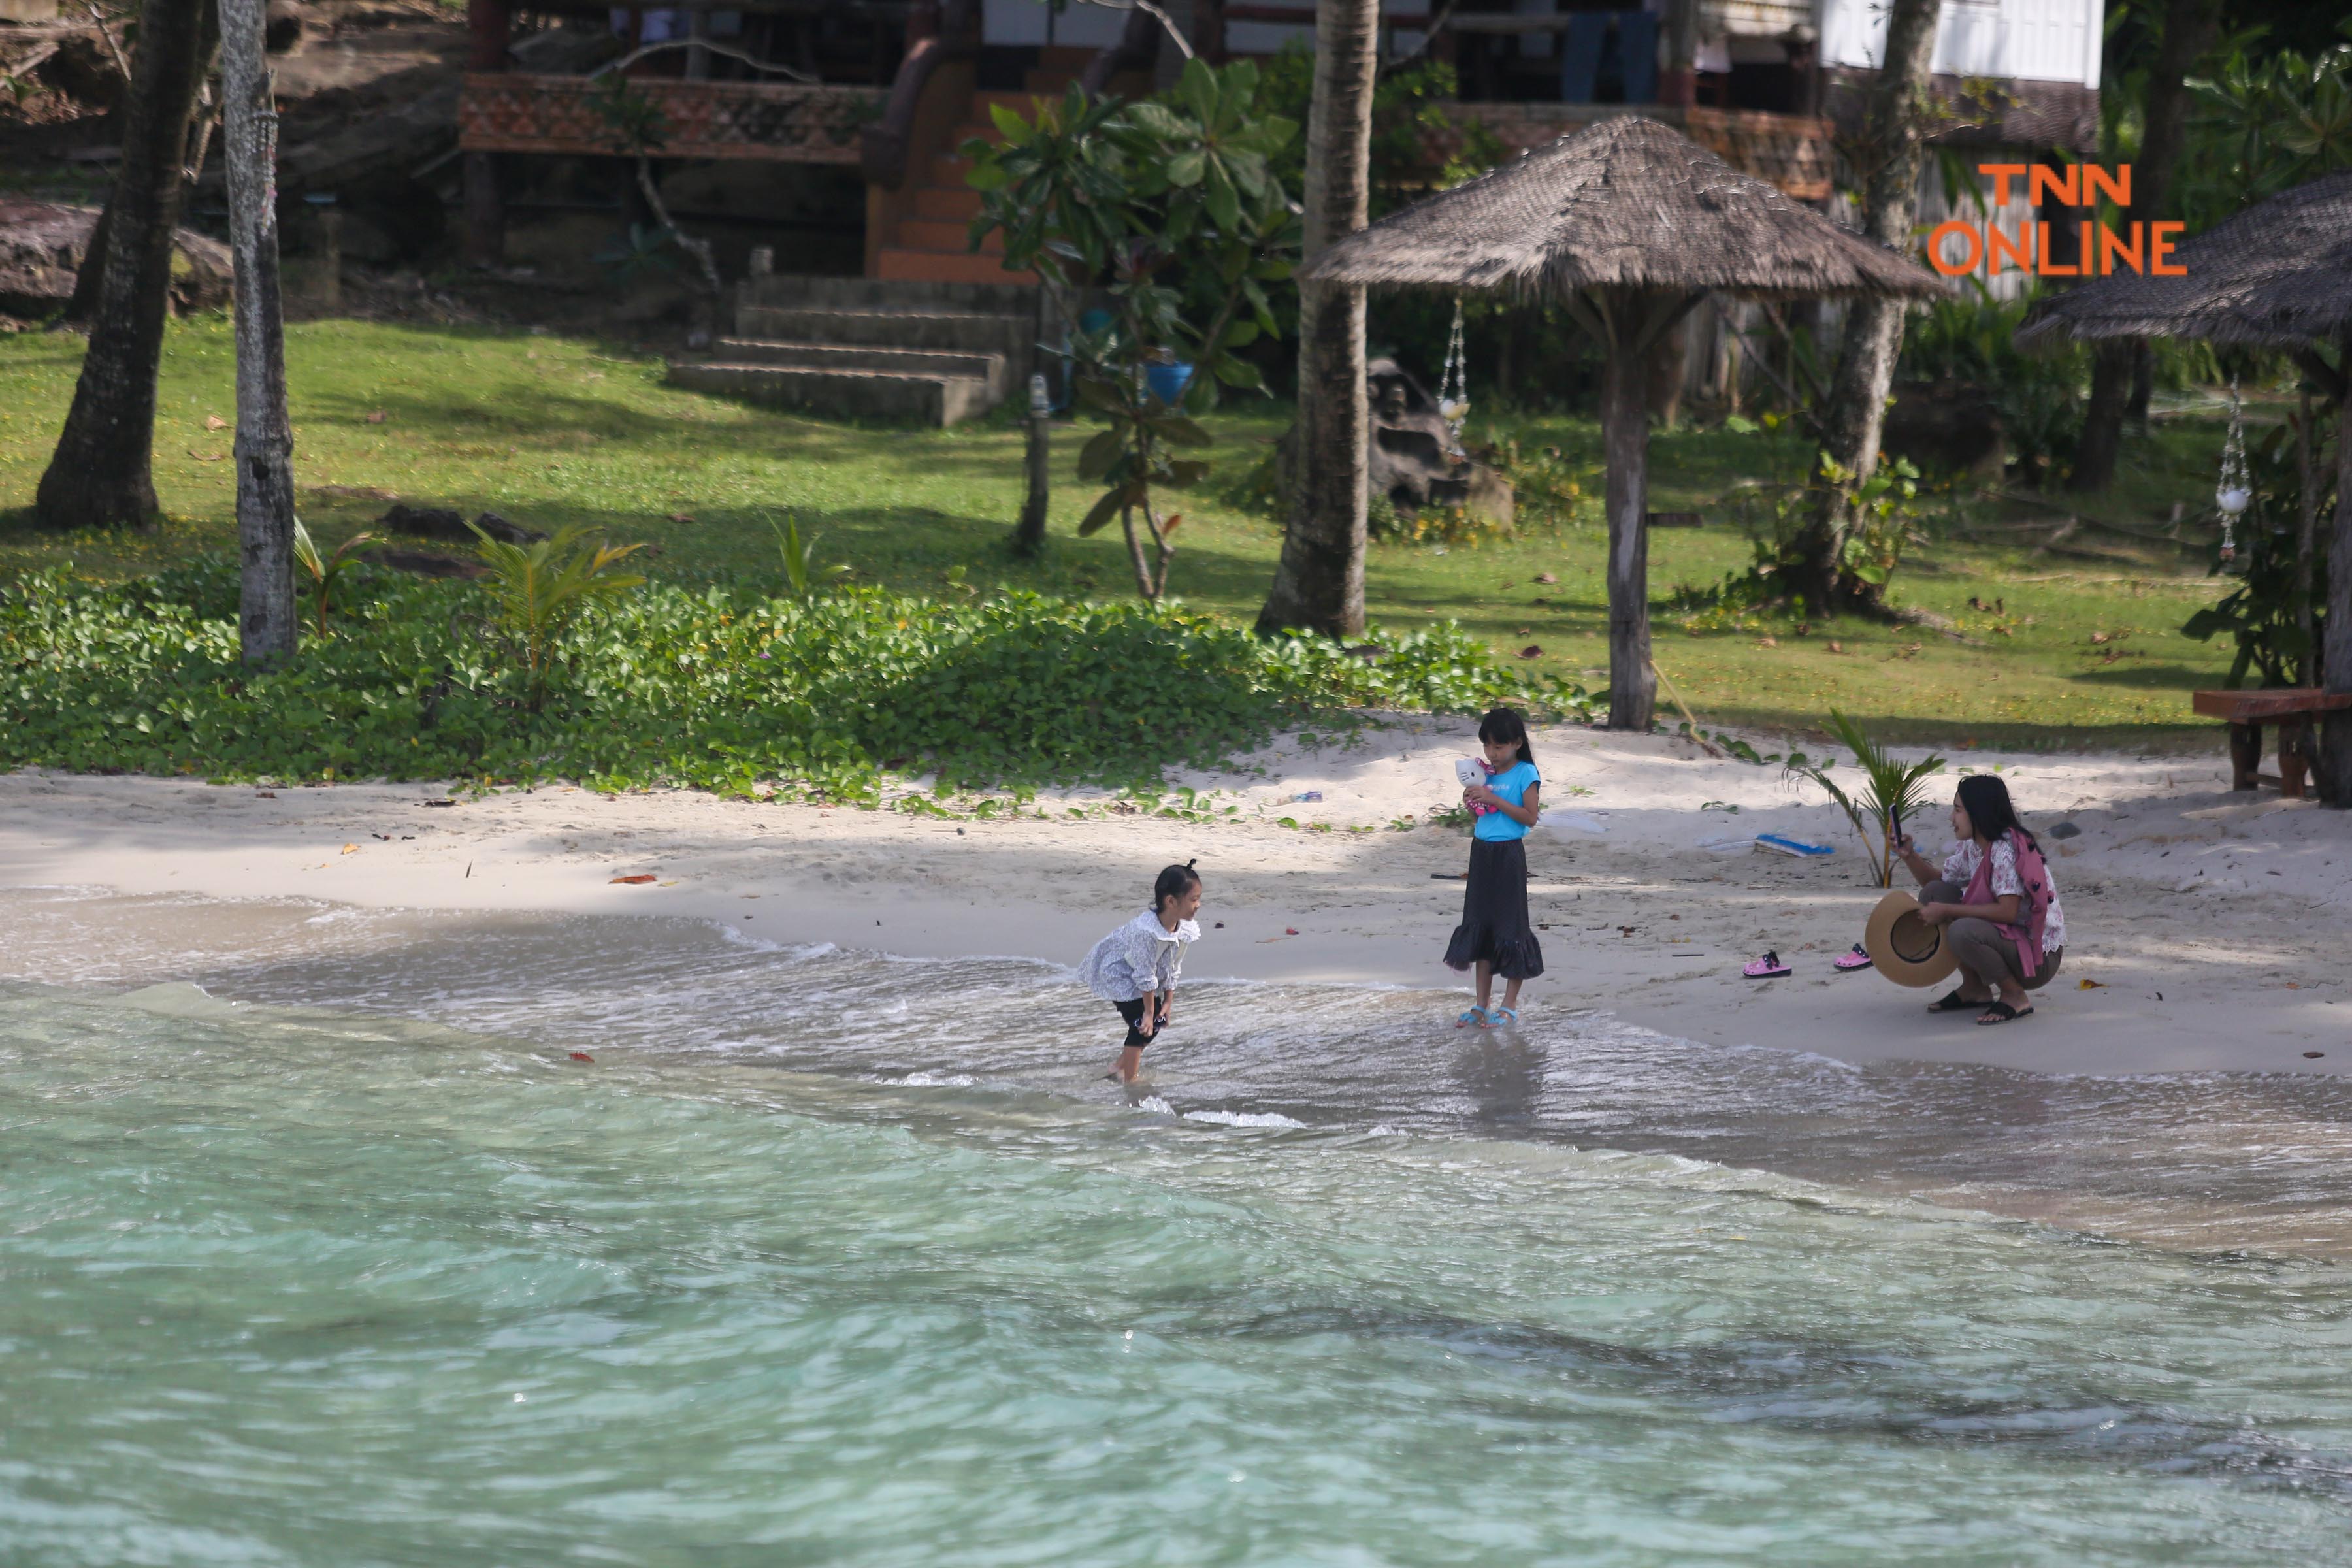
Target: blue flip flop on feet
{"x": 1497, "y": 1018}
{"x": 1474, "y": 1018}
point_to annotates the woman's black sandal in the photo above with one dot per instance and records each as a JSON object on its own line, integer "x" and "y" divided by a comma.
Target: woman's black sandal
{"x": 2003, "y": 1012}
{"x": 1953, "y": 1002}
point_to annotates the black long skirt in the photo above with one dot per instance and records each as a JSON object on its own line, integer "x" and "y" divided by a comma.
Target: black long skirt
{"x": 1493, "y": 927}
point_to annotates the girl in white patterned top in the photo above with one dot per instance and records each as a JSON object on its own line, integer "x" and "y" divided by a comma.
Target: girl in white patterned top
{"x": 1990, "y": 933}
{"x": 1135, "y": 967}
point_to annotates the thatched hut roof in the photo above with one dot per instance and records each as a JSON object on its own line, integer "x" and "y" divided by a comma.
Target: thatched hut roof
{"x": 2278, "y": 273}
{"x": 1624, "y": 202}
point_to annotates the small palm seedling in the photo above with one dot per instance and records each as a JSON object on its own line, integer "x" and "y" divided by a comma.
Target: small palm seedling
{"x": 1893, "y": 790}
{"x": 324, "y": 569}
{"x": 805, "y": 576}
{"x": 537, "y": 591}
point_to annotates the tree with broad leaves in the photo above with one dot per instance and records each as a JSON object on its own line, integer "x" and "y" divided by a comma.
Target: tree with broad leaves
{"x": 1173, "y": 203}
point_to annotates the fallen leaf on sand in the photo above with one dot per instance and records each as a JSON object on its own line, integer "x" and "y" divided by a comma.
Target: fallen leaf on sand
{"x": 265, "y": 795}
{"x": 377, "y": 417}
{"x": 443, "y": 801}
{"x": 2092, "y": 985}
{"x": 1546, "y": 577}
{"x": 2314, "y": 1056}
{"x": 582, "y": 1057}
{"x": 1291, "y": 930}
{"x": 214, "y": 422}
{"x": 641, "y": 876}
{"x": 350, "y": 848}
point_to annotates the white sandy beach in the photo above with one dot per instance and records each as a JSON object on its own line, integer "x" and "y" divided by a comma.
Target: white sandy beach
{"x": 2215, "y": 923}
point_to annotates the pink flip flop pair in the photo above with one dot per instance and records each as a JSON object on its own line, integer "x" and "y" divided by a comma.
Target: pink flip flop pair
{"x": 1769, "y": 966}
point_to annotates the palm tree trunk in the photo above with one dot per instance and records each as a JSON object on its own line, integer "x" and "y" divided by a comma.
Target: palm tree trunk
{"x": 1855, "y": 417}
{"x": 2190, "y": 28}
{"x": 1319, "y": 581}
{"x": 102, "y": 471}
{"x": 265, "y": 439}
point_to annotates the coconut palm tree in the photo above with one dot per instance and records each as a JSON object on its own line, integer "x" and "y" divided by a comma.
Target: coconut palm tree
{"x": 265, "y": 438}
{"x": 1318, "y": 583}
{"x": 102, "y": 473}
{"x": 1893, "y": 147}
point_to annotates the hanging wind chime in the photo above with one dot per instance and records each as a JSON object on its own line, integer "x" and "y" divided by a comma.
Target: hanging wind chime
{"x": 1454, "y": 389}
{"x": 2233, "y": 494}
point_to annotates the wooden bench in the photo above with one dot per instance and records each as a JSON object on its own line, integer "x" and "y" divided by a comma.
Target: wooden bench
{"x": 2290, "y": 707}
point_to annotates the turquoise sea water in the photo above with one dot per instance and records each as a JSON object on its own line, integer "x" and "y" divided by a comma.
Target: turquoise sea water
{"x": 365, "y": 1268}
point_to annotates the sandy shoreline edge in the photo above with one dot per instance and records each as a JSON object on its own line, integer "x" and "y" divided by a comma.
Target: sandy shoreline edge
{"x": 2215, "y": 922}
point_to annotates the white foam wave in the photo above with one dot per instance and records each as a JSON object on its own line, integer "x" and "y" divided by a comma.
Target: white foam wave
{"x": 1243, "y": 1118}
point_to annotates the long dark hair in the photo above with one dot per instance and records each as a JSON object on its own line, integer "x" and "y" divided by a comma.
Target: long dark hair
{"x": 1986, "y": 800}
{"x": 1505, "y": 724}
{"x": 1175, "y": 882}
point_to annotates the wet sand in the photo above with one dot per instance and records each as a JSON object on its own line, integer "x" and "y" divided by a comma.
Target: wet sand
{"x": 2214, "y": 922}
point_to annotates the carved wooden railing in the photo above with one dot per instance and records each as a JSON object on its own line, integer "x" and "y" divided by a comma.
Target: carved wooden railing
{"x": 778, "y": 122}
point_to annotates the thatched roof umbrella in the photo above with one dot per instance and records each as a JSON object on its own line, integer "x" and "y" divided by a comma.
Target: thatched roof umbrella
{"x": 1627, "y": 225}
{"x": 2277, "y": 274}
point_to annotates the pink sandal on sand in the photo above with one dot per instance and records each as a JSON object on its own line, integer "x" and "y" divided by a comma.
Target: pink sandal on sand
{"x": 1847, "y": 962}
{"x": 1768, "y": 967}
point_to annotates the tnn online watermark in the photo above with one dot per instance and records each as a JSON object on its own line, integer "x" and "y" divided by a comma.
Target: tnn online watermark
{"x": 2101, "y": 246}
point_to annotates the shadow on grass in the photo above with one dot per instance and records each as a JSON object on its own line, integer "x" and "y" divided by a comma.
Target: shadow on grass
{"x": 1947, "y": 735}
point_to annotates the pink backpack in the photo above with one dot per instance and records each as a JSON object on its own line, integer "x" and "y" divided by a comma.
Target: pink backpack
{"x": 2033, "y": 875}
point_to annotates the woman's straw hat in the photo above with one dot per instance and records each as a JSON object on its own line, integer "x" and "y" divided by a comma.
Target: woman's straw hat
{"x": 1905, "y": 949}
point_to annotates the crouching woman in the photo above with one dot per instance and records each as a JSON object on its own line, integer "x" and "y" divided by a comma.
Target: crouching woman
{"x": 1998, "y": 902}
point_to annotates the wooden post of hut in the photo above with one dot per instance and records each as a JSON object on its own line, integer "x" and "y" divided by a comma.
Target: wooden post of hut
{"x": 489, "y": 24}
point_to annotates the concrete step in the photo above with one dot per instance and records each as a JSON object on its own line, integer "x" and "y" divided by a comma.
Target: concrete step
{"x": 1007, "y": 336}
{"x": 842, "y": 393}
{"x": 900, "y": 263}
{"x": 946, "y": 234}
{"x": 992, "y": 295}
{"x": 946, "y": 202}
{"x": 984, "y": 367}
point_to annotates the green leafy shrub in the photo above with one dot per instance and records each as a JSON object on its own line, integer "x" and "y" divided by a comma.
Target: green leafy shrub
{"x": 2037, "y": 397}
{"x": 719, "y": 688}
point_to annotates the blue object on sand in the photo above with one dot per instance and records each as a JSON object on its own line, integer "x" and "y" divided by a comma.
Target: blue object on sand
{"x": 1787, "y": 846}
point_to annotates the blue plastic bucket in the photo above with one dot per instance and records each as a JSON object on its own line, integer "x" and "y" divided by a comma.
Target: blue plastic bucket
{"x": 1168, "y": 382}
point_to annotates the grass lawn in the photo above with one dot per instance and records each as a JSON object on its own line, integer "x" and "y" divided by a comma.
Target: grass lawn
{"x": 547, "y": 430}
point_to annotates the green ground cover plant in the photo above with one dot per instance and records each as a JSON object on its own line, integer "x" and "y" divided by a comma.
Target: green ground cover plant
{"x": 2044, "y": 636}
{"x": 728, "y": 688}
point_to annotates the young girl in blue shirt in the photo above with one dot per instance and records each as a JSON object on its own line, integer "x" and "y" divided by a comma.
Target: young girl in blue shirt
{"x": 1494, "y": 936}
